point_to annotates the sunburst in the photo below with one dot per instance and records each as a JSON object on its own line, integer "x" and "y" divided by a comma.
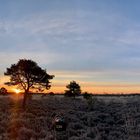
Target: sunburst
{"x": 17, "y": 91}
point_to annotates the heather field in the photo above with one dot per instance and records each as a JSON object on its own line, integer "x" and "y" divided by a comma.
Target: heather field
{"x": 102, "y": 118}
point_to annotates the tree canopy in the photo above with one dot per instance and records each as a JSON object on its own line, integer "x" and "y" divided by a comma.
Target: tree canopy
{"x": 26, "y": 74}
{"x": 74, "y": 89}
{"x": 3, "y": 91}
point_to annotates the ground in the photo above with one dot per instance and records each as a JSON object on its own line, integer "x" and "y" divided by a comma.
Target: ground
{"x": 102, "y": 118}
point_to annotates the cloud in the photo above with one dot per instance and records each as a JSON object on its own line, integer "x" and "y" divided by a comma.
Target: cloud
{"x": 93, "y": 41}
{"x": 8, "y": 58}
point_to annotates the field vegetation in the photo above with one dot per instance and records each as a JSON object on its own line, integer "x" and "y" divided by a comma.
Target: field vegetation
{"x": 104, "y": 118}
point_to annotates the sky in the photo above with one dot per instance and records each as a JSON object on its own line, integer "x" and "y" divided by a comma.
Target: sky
{"x": 94, "y": 42}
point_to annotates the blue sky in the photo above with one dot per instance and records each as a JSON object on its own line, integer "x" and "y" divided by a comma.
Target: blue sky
{"x": 95, "y": 42}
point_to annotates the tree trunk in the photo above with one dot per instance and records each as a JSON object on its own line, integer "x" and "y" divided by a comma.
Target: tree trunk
{"x": 24, "y": 99}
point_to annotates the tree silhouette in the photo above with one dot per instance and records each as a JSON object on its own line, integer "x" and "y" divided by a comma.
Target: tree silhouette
{"x": 73, "y": 89}
{"x": 3, "y": 91}
{"x": 26, "y": 74}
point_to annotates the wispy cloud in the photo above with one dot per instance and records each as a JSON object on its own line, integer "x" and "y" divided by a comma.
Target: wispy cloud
{"x": 104, "y": 44}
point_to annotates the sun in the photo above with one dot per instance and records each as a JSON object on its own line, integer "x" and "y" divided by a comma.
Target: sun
{"x": 17, "y": 91}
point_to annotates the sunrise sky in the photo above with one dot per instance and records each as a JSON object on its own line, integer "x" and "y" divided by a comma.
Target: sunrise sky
{"x": 94, "y": 42}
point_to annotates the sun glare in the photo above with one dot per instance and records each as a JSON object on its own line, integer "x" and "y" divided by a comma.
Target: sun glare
{"x": 17, "y": 91}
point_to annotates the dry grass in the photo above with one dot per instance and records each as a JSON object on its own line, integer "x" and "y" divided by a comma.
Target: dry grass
{"x": 104, "y": 119}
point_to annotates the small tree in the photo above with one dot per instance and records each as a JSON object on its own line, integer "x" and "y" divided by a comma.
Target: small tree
{"x": 3, "y": 91}
{"x": 26, "y": 74}
{"x": 73, "y": 89}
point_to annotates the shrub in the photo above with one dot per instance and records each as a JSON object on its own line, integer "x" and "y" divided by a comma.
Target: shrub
{"x": 87, "y": 96}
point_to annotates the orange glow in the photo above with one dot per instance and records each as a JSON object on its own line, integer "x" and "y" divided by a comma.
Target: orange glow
{"x": 59, "y": 85}
{"x": 94, "y": 88}
{"x": 17, "y": 91}
{"x": 101, "y": 89}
